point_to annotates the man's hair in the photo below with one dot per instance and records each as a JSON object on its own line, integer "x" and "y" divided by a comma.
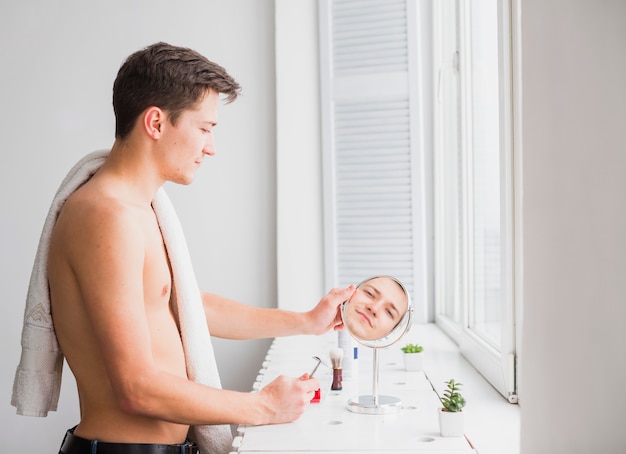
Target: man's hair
{"x": 172, "y": 78}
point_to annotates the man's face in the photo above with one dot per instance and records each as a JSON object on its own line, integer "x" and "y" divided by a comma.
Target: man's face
{"x": 376, "y": 308}
{"x": 184, "y": 145}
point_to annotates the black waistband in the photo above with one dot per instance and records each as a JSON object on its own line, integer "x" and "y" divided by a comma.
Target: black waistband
{"x": 76, "y": 445}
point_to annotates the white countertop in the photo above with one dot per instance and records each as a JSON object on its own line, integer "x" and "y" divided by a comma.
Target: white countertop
{"x": 328, "y": 426}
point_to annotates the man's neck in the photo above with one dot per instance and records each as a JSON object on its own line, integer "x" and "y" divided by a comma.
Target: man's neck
{"x": 134, "y": 168}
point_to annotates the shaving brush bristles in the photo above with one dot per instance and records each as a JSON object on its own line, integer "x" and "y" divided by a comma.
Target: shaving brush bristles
{"x": 336, "y": 357}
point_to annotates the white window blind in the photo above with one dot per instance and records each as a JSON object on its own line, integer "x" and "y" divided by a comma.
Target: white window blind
{"x": 373, "y": 161}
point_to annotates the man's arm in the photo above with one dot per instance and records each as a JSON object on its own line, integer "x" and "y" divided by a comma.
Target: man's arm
{"x": 232, "y": 320}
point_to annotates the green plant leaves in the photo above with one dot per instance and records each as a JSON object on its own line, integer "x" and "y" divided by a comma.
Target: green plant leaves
{"x": 412, "y": 348}
{"x": 452, "y": 399}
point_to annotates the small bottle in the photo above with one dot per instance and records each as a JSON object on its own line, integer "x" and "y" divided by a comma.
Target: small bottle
{"x": 355, "y": 362}
{"x": 345, "y": 343}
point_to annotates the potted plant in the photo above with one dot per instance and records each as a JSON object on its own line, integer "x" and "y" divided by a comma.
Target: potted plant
{"x": 451, "y": 417}
{"x": 413, "y": 354}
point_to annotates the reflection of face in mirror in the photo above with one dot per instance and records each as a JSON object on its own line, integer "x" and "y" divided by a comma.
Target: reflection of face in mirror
{"x": 376, "y": 308}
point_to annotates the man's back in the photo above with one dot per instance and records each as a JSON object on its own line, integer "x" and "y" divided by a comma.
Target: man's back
{"x": 110, "y": 286}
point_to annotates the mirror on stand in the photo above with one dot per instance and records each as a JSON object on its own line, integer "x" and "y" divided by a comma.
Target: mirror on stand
{"x": 377, "y": 315}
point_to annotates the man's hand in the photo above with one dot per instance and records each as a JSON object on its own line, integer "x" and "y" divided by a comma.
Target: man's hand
{"x": 285, "y": 399}
{"x": 327, "y": 314}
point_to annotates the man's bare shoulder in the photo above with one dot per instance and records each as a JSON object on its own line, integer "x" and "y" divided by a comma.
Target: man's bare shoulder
{"x": 95, "y": 216}
{"x": 97, "y": 200}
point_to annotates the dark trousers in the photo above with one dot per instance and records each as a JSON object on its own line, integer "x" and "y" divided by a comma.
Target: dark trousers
{"x": 75, "y": 445}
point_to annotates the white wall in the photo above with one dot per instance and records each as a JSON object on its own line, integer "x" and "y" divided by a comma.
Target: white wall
{"x": 574, "y": 223}
{"x": 59, "y": 60}
{"x": 299, "y": 159}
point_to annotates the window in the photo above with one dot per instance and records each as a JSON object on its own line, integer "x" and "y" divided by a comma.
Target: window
{"x": 473, "y": 185}
{"x": 391, "y": 69}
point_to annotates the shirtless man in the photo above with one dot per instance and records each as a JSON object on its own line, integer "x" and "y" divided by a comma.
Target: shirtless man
{"x": 110, "y": 279}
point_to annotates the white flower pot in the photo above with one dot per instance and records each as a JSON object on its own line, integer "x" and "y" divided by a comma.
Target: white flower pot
{"x": 451, "y": 424}
{"x": 413, "y": 361}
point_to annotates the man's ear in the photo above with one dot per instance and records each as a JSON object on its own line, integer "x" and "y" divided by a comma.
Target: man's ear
{"x": 153, "y": 121}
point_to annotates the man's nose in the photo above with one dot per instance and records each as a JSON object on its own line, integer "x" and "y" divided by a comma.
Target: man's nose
{"x": 209, "y": 147}
{"x": 373, "y": 307}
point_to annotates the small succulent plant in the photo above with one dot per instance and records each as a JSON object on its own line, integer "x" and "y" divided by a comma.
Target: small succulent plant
{"x": 412, "y": 348}
{"x": 452, "y": 399}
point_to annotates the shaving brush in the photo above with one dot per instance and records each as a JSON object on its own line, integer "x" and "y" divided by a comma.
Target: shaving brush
{"x": 336, "y": 356}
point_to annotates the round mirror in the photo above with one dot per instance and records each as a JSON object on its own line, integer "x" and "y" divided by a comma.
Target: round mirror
{"x": 377, "y": 315}
{"x": 379, "y": 312}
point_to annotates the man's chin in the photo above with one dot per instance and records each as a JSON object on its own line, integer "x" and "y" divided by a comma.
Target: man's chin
{"x": 184, "y": 180}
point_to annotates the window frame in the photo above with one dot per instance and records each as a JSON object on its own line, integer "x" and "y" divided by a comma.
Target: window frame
{"x": 497, "y": 366}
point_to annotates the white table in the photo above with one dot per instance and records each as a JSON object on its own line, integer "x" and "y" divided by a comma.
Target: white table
{"x": 329, "y": 427}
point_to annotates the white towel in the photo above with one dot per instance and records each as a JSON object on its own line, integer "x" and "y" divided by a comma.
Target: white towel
{"x": 38, "y": 376}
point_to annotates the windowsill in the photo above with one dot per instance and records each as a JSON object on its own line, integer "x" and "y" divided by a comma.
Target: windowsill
{"x": 491, "y": 422}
